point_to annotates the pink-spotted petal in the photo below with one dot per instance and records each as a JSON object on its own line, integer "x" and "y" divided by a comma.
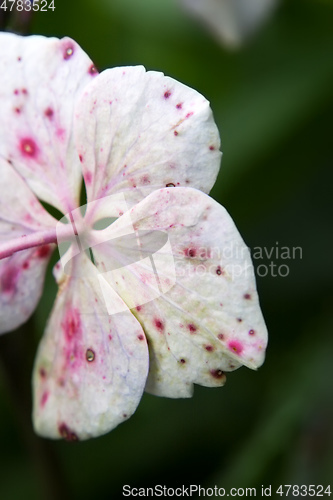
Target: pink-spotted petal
{"x": 139, "y": 131}
{"x": 91, "y": 367}
{"x": 209, "y": 322}
{"x": 40, "y": 81}
{"x": 22, "y": 274}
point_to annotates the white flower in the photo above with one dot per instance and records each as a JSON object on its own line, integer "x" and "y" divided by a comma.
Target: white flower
{"x": 140, "y": 137}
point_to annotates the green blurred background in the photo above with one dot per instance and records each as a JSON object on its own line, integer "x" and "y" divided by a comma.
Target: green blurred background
{"x": 273, "y": 103}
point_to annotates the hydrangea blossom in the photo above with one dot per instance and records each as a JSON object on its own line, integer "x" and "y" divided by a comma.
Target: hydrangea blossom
{"x": 148, "y": 150}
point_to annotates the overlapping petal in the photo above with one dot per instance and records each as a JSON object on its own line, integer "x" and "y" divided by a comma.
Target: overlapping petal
{"x": 40, "y": 81}
{"x": 22, "y": 274}
{"x": 91, "y": 368}
{"x": 139, "y": 131}
{"x": 210, "y": 321}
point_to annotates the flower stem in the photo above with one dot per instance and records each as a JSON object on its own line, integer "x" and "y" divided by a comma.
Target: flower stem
{"x": 36, "y": 239}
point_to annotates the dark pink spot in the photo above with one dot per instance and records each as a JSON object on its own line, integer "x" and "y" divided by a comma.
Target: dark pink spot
{"x": 159, "y": 324}
{"x": 189, "y": 114}
{"x": 192, "y": 328}
{"x": 28, "y": 147}
{"x": 66, "y": 433}
{"x": 17, "y": 111}
{"x": 42, "y": 373}
{"x": 44, "y": 398}
{"x": 239, "y": 320}
{"x": 110, "y": 337}
{"x": 125, "y": 415}
{"x": 8, "y": 280}
{"x": 167, "y": 94}
{"x": 209, "y": 348}
{"x": 92, "y": 70}
{"x": 190, "y": 252}
{"x": 212, "y": 148}
{"x": 49, "y": 113}
{"x": 182, "y": 361}
{"x": 19, "y": 59}
{"x": 141, "y": 337}
{"x": 138, "y": 308}
{"x": 81, "y": 158}
{"x": 235, "y": 346}
{"x": 179, "y": 105}
{"x": 69, "y": 51}
{"x": 219, "y": 374}
{"x": 16, "y": 91}
{"x": 220, "y": 336}
{"x": 24, "y": 91}
{"x": 175, "y": 133}
{"x": 26, "y": 265}
{"x": 43, "y": 251}
{"x": 247, "y": 296}
{"x": 251, "y": 332}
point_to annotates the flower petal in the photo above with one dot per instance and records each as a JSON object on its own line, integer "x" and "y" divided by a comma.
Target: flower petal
{"x": 22, "y": 274}
{"x": 21, "y": 285}
{"x": 139, "y": 131}
{"x": 232, "y": 21}
{"x": 40, "y": 81}
{"x": 210, "y": 321}
{"x": 91, "y": 368}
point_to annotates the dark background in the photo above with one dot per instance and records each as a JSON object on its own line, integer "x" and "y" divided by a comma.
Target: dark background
{"x": 273, "y": 103}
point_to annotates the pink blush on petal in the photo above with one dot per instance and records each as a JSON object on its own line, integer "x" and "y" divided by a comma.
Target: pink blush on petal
{"x": 72, "y": 325}
{"x": 8, "y": 280}
{"x": 74, "y": 352}
{"x": 61, "y": 134}
{"x": 88, "y": 177}
{"x": 44, "y": 398}
{"x": 235, "y": 346}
